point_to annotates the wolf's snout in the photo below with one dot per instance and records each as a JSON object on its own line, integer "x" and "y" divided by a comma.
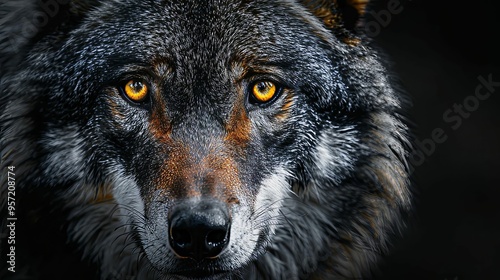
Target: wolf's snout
{"x": 199, "y": 229}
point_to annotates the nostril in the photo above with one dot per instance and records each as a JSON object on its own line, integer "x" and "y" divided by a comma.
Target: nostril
{"x": 181, "y": 237}
{"x": 216, "y": 238}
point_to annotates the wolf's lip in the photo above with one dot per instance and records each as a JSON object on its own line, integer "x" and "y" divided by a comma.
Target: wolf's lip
{"x": 200, "y": 274}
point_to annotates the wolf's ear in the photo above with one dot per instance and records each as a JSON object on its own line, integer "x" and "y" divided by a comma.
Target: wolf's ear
{"x": 343, "y": 17}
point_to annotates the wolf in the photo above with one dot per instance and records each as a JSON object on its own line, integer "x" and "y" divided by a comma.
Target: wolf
{"x": 184, "y": 139}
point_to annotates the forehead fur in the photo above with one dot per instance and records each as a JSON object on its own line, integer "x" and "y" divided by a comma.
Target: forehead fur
{"x": 216, "y": 27}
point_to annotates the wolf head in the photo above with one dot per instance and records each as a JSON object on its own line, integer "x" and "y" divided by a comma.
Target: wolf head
{"x": 239, "y": 138}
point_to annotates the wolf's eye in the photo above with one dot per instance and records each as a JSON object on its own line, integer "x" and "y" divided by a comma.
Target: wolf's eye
{"x": 264, "y": 91}
{"x": 136, "y": 90}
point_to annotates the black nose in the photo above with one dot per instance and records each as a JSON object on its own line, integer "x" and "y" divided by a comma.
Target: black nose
{"x": 199, "y": 229}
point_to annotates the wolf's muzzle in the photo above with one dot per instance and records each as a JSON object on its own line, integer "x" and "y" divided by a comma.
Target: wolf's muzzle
{"x": 199, "y": 229}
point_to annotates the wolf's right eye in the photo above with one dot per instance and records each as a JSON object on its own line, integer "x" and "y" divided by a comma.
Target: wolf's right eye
{"x": 136, "y": 90}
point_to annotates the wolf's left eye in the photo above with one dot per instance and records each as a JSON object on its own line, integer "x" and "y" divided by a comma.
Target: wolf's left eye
{"x": 264, "y": 91}
{"x": 136, "y": 90}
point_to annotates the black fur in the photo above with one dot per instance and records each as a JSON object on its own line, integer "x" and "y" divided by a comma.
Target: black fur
{"x": 319, "y": 172}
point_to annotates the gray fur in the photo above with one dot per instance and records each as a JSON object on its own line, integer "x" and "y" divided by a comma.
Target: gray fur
{"x": 322, "y": 189}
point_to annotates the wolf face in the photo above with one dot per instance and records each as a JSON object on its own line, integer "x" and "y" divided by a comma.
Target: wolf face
{"x": 211, "y": 139}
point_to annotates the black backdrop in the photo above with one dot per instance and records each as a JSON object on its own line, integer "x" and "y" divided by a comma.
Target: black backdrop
{"x": 438, "y": 49}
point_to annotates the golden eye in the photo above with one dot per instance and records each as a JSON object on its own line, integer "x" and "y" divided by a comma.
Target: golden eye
{"x": 136, "y": 90}
{"x": 264, "y": 91}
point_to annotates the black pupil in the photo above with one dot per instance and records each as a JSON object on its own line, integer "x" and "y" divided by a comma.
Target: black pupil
{"x": 263, "y": 87}
{"x": 137, "y": 86}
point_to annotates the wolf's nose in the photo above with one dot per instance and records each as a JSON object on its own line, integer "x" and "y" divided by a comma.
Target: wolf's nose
{"x": 199, "y": 229}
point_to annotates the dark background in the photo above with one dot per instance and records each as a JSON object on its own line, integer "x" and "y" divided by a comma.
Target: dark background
{"x": 438, "y": 49}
